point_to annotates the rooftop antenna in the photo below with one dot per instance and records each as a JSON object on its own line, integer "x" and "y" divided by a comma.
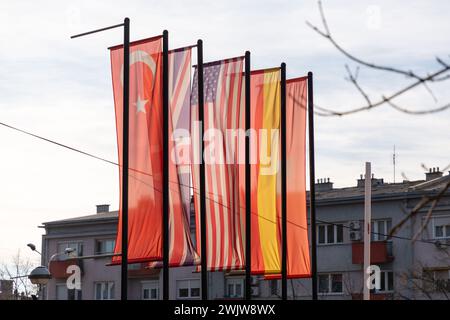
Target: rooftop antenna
{"x": 393, "y": 162}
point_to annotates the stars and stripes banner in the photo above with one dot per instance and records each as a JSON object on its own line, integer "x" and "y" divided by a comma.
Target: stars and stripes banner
{"x": 145, "y": 148}
{"x": 298, "y": 257}
{"x": 181, "y": 248}
{"x": 223, "y": 113}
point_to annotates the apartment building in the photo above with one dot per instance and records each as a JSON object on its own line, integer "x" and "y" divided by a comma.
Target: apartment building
{"x": 418, "y": 269}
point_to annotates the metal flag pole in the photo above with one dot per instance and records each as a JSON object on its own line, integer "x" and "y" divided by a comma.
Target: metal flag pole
{"x": 367, "y": 228}
{"x": 126, "y": 93}
{"x": 165, "y": 126}
{"x": 204, "y": 271}
{"x": 312, "y": 188}
{"x": 283, "y": 186}
{"x": 126, "y": 122}
{"x": 248, "y": 209}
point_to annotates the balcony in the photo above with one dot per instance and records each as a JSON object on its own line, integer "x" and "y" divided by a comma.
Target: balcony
{"x": 380, "y": 252}
{"x": 58, "y": 268}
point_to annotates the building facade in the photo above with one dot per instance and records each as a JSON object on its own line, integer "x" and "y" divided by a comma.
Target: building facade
{"x": 414, "y": 262}
{"x": 6, "y": 289}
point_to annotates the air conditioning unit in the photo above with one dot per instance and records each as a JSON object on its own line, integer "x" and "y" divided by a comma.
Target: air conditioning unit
{"x": 355, "y": 225}
{"x": 255, "y": 291}
{"x": 355, "y": 235}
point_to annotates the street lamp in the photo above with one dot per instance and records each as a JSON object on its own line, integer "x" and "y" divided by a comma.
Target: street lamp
{"x": 41, "y": 275}
{"x": 33, "y": 248}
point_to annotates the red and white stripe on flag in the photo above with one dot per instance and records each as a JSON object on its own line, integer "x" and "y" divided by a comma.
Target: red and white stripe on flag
{"x": 223, "y": 110}
{"x": 181, "y": 249}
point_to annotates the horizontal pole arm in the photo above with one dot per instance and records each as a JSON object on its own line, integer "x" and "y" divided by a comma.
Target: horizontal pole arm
{"x": 98, "y": 30}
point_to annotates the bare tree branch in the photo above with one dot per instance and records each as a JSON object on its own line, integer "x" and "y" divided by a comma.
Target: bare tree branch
{"x": 439, "y": 75}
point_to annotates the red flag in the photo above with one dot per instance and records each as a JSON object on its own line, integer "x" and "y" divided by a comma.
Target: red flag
{"x": 145, "y": 148}
{"x": 298, "y": 258}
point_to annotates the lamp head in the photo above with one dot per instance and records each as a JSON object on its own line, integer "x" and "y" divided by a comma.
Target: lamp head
{"x": 40, "y": 275}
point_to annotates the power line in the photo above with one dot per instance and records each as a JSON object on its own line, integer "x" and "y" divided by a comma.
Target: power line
{"x": 377, "y": 233}
{"x": 180, "y": 184}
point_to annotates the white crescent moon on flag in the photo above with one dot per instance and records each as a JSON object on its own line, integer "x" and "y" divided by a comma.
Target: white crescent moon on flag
{"x": 140, "y": 56}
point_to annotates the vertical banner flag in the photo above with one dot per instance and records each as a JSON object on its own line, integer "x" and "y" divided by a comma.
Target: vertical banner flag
{"x": 223, "y": 117}
{"x": 298, "y": 258}
{"x": 265, "y": 186}
{"x": 181, "y": 248}
{"x": 145, "y": 148}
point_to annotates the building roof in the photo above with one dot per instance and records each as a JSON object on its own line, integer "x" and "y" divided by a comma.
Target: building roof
{"x": 384, "y": 190}
{"x": 111, "y": 215}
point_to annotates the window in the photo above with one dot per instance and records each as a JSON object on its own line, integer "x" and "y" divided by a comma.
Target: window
{"x": 187, "y": 289}
{"x": 386, "y": 281}
{"x": 436, "y": 280}
{"x": 330, "y": 283}
{"x": 77, "y": 246}
{"x": 330, "y": 233}
{"x": 442, "y": 232}
{"x": 274, "y": 287}
{"x": 61, "y": 292}
{"x": 150, "y": 290}
{"x": 104, "y": 290}
{"x": 235, "y": 288}
{"x": 74, "y": 294}
{"x": 380, "y": 229}
{"x": 105, "y": 246}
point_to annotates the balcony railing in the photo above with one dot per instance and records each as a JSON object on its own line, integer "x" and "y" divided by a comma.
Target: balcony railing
{"x": 380, "y": 252}
{"x": 58, "y": 268}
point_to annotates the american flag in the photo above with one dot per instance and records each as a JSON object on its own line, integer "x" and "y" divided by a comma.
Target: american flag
{"x": 223, "y": 109}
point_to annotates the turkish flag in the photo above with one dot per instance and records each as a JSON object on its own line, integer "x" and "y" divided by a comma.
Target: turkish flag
{"x": 145, "y": 148}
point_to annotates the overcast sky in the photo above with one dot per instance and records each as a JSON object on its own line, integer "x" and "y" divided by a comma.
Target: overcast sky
{"x": 61, "y": 89}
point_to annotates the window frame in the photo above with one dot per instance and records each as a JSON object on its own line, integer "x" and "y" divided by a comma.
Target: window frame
{"x": 234, "y": 282}
{"x": 336, "y": 227}
{"x": 150, "y": 285}
{"x": 104, "y": 284}
{"x": 274, "y": 286}
{"x": 64, "y": 286}
{"x": 387, "y": 225}
{"x": 445, "y": 228}
{"x": 330, "y": 284}
{"x": 434, "y": 285}
{"x": 386, "y": 282}
{"x": 61, "y": 256}
{"x": 104, "y": 240}
{"x": 190, "y": 287}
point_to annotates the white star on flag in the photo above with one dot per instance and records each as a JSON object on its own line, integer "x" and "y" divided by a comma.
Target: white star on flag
{"x": 140, "y": 105}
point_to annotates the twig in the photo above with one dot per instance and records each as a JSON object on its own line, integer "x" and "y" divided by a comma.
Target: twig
{"x": 439, "y": 75}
